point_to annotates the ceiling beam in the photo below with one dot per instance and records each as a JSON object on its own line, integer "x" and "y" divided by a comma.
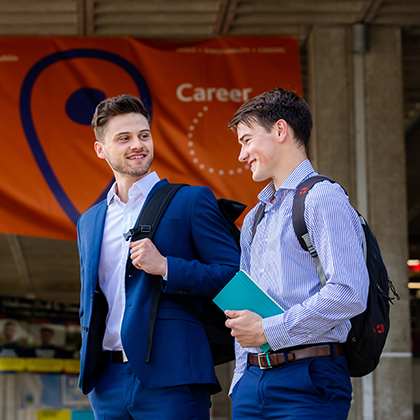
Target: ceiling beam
{"x": 221, "y": 17}
{"x": 89, "y": 17}
{"x": 81, "y": 18}
{"x": 372, "y": 11}
{"x": 230, "y": 16}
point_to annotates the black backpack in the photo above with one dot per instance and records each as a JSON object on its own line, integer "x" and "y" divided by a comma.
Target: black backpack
{"x": 369, "y": 329}
{"x": 222, "y": 344}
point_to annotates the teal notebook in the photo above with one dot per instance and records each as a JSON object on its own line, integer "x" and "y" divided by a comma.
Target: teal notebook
{"x": 243, "y": 293}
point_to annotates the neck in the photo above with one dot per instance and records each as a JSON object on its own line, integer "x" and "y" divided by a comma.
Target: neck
{"x": 291, "y": 161}
{"x": 123, "y": 186}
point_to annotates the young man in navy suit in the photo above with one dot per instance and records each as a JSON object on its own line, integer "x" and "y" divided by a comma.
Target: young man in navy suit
{"x": 193, "y": 254}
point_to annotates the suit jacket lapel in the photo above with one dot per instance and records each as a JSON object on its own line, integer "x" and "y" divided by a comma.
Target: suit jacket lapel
{"x": 155, "y": 188}
{"x": 94, "y": 236}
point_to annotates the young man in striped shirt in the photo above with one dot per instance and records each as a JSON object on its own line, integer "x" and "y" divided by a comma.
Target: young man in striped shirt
{"x": 308, "y": 377}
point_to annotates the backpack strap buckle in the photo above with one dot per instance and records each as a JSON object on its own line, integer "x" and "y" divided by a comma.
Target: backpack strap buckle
{"x": 136, "y": 230}
{"x": 145, "y": 228}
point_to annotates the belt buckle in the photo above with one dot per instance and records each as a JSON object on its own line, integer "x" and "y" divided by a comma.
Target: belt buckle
{"x": 124, "y": 357}
{"x": 265, "y": 355}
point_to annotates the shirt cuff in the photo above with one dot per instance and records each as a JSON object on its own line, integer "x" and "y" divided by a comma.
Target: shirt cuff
{"x": 165, "y": 277}
{"x": 276, "y": 333}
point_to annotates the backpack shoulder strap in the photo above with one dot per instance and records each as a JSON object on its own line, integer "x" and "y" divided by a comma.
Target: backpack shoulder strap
{"x": 145, "y": 227}
{"x": 257, "y": 219}
{"x": 152, "y": 212}
{"x": 299, "y": 225}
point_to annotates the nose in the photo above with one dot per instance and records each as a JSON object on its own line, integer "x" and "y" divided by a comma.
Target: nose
{"x": 137, "y": 144}
{"x": 243, "y": 155}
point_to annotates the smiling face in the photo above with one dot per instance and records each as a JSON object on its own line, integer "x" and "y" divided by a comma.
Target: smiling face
{"x": 127, "y": 147}
{"x": 260, "y": 150}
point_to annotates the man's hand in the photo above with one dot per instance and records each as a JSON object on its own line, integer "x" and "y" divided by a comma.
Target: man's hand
{"x": 145, "y": 256}
{"x": 246, "y": 328}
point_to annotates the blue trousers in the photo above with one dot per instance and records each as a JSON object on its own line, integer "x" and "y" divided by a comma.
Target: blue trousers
{"x": 119, "y": 395}
{"x": 318, "y": 388}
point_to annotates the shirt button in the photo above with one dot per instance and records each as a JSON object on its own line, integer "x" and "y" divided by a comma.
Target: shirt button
{"x": 262, "y": 270}
{"x": 266, "y": 240}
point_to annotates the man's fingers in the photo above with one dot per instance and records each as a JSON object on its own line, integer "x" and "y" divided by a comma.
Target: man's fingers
{"x": 236, "y": 314}
{"x": 229, "y": 314}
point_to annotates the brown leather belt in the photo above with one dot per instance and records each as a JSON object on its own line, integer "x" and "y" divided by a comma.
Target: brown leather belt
{"x": 278, "y": 358}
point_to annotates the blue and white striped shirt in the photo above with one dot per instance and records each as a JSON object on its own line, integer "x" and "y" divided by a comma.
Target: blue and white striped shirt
{"x": 276, "y": 261}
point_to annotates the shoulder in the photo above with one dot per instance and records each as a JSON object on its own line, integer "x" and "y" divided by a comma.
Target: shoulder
{"x": 94, "y": 209}
{"x": 191, "y": 202}
{"x": 325, "y": 193}
{"x": 192, "y": 195}
{"x": 328, "y": 204}
{"x": 195, "y": 190}
{"x": 92, "y": 212}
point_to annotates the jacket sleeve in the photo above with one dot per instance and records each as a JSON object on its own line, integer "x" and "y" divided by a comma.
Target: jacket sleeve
{"x": 217, "y": 256}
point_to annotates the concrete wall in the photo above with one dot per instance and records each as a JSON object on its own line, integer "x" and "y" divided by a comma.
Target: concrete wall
{"x": 388, "y": 214}
{"x": 330, "y": 99}
{"x": 336, "y": 77}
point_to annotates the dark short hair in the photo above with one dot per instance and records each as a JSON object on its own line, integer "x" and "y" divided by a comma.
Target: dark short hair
{"x": 277, "y": 104}
{"x": 110, "y": 107}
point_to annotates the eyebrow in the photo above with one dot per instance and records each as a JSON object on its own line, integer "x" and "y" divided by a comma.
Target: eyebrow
{"x": 120, "y": 133}
{"x": 145, "y": 130}
{"x": 242, "y": 137}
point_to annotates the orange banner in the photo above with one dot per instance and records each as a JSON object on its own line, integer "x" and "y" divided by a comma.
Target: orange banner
{"x": 49, "y": 89}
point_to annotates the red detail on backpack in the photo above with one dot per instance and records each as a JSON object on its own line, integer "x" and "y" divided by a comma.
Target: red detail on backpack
{"x": 303, "y": 190}
{"x": 380, "y": 328}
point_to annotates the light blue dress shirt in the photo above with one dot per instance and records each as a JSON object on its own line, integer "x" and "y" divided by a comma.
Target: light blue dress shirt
{"x": 276, "y": 261}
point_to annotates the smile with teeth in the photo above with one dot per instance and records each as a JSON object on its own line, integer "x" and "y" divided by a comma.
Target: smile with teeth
{"x": 136, "y": 157}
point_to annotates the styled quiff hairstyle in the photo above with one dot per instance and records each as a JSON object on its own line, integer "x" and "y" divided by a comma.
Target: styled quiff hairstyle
{"x": 277, "y": 104}
{"x": 119, "y": 105}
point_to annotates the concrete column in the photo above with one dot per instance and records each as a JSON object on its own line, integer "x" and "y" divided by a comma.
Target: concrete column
{"x": 331, "y": 147}
{"x": 387, "y": 393}
{"x": 387, "y": 212}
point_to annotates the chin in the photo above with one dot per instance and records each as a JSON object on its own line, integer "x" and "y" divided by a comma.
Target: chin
{"x": 259, "y": 178}
{"x": 256, "y": 177}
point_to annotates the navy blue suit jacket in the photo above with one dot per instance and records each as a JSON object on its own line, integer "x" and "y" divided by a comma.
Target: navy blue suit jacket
{"x": 202, "y": 257}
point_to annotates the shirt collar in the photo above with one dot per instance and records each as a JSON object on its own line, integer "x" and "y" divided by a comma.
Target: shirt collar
{"x": 301, "y": 172}
{"x": 142, "y": 186}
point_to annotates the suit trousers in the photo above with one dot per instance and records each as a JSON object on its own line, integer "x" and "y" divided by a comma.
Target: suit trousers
{"x": 309, "y": 389}
{"x": 119, "y": 395}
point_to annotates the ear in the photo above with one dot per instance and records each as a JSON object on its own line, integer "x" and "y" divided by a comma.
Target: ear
{"x": 282, "y": 129}
{"x": 99, "y": 149}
